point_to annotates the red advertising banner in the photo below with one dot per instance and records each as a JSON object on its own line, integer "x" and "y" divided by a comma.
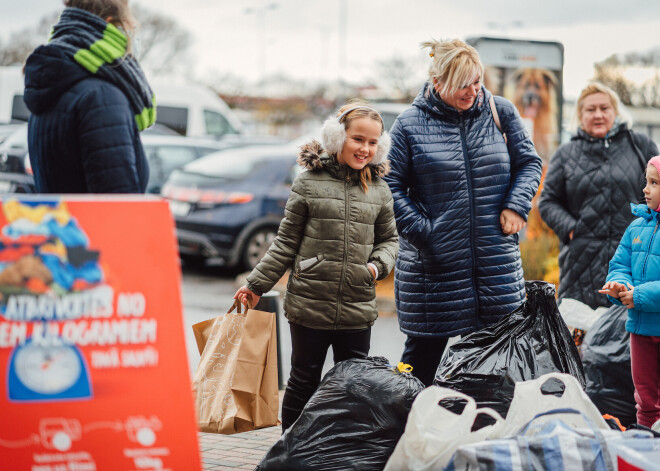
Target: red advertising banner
{"x": 93, "y": 366}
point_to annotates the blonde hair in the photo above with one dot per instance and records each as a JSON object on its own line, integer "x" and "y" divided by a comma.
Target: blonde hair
{"x": 455, "y": 64}
{"x": 597, "y": 87}
{"x": 364, "y": 112}
{"x": 116, "y": 12}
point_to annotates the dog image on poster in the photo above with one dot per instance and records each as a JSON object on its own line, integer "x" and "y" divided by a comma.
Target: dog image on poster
{"x": 534, "y": 92}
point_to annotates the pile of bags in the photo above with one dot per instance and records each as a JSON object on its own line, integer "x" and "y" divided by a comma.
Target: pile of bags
{"x": 352, "y": 422}
{"x": 511, "y": 396}
{"x": 531, "y": 341}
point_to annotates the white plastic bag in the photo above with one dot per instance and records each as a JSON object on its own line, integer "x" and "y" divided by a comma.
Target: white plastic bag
{"x": 578, "y": 315}
{"x": 529, "y": 401}
{"x": 433, "y": 433}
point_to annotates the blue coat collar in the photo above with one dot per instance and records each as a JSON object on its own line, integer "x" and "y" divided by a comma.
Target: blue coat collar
{"x": 643, "y": 211}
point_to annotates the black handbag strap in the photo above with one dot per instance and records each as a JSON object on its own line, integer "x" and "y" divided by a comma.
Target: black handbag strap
{"x": 638, "y": 152}
{"x": 642, "y": 160}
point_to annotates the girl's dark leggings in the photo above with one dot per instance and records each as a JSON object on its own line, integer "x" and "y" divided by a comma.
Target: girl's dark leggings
{"x": 309, "y": 349}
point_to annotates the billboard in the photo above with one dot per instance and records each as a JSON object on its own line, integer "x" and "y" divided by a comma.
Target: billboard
{"x": 530, "y": 74}
{"x": 93, "y": 366}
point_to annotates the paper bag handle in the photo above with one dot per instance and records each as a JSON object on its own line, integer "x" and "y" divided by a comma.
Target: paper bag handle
{"x": 236, "y": 305}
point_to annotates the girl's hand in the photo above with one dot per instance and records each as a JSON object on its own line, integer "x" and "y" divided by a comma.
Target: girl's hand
{"x": 627, "y": 297}
{"x": 246, "y": 297}
{"x": 511, "y": 222}
{"x": 612, "y": 288}
{"x": 373, "y": 273}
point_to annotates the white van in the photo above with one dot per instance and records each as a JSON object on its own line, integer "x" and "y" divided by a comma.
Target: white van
{"x": 193, "y": 110}
{"x": 187, "y": 108}
{"x": 12, "y": 107}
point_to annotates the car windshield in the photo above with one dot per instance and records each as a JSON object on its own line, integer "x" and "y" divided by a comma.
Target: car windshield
{"x": 232, "y": 164}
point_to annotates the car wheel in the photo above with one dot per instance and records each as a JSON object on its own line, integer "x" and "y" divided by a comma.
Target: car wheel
{"x": 257, "y": 245}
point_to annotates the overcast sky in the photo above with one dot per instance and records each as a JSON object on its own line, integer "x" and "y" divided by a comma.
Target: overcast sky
{"x": 313, "y": 39}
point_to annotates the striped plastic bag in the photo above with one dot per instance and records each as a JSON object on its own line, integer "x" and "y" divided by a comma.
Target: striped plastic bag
{"x": 551, "y": 445}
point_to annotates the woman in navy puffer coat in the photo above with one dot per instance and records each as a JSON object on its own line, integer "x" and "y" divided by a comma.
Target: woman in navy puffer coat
{"x": 461, "y": 194}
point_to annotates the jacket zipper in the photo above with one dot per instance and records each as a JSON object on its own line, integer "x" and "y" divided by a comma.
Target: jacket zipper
{"x": 648, "y": 251}
{"x": 470, "y": 196}
{"x": 347, "y": 204}
{"x": 646, "y": 258}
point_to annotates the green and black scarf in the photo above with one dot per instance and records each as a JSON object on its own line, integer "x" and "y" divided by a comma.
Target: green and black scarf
{"x": 100, "y": 47}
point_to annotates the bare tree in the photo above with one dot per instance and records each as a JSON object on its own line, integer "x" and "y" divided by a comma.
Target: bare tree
{"x": 614, "y": 72}
{"x": 403, "y": 76}
{"x": 162, "y": 43}
{"x": 21, "y": 43}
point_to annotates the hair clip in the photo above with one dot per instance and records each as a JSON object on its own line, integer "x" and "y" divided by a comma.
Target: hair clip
{"x": 431, "y": 54}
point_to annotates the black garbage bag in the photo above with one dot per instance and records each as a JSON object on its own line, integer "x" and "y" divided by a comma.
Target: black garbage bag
{"x": 531, "y": 341}
{"x": 606, "y": 359}
{"x": 352, "y": 422}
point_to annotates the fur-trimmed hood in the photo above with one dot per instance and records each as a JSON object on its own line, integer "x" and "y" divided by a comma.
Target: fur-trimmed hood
{"x": 312, "y": 156}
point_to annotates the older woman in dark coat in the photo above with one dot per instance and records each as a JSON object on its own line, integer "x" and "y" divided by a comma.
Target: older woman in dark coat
{"x": 588, "y": 189}
{"x": 461, "y": 195}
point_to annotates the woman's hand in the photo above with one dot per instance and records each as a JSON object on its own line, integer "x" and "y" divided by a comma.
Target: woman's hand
{"x": 511, "y": 222}
{"x": 246, "y": 297}
{"x": 373, "y": 273}
{"x": 613, "y": 289}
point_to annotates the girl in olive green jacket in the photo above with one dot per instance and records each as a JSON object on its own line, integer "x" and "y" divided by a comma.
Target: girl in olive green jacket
{"x": 338, "y": 236}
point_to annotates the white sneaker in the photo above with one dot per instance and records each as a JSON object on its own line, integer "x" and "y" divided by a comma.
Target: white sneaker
{"x": 656, "y": 426}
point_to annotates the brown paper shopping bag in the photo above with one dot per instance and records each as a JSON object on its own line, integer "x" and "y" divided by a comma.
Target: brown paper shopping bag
{"x": 235, "y": 384}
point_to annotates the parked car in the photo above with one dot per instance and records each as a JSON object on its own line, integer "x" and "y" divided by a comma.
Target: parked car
{"x": 165, "y": 151}
{"x": 389, "y": 111}
{"x": 193, "y": 110}
{"x": 7, "y": 129}
{"x": 228, "y": 205}
{"x": 14, "y": 175}
{"x": 13, "y": 151}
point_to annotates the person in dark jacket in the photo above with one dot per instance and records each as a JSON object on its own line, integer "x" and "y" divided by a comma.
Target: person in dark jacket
{"x": 587, "y": 190}
{"x": 89, "y": 100}
{"x": 338, "y": 236}
{"x": 461, "y": 195}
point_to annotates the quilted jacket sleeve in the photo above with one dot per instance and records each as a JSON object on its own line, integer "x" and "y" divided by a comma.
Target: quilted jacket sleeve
{"x": 647, "y": 297}
{"x": 552, "y": 203}
{"x": 525, "y": 162}
{"x": 282, "y": 252}
{"x": 412, "y": 225}
{"x": 107, "y": 135}
{"x": 621, "y": 264}
{"x": 386, "y": 240}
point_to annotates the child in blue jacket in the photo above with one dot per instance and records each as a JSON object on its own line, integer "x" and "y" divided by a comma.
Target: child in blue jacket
{"x": 633, "y": 280}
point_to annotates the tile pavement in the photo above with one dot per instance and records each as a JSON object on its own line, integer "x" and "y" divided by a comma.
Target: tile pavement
{"x": 238, "y": 451}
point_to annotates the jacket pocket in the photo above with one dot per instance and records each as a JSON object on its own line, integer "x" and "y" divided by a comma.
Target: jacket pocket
{"x": 305, "y": 265}
{"x": 371, "y": 283}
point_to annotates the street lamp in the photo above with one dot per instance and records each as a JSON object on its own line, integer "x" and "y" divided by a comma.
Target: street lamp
{"x": 260, "y": 13}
